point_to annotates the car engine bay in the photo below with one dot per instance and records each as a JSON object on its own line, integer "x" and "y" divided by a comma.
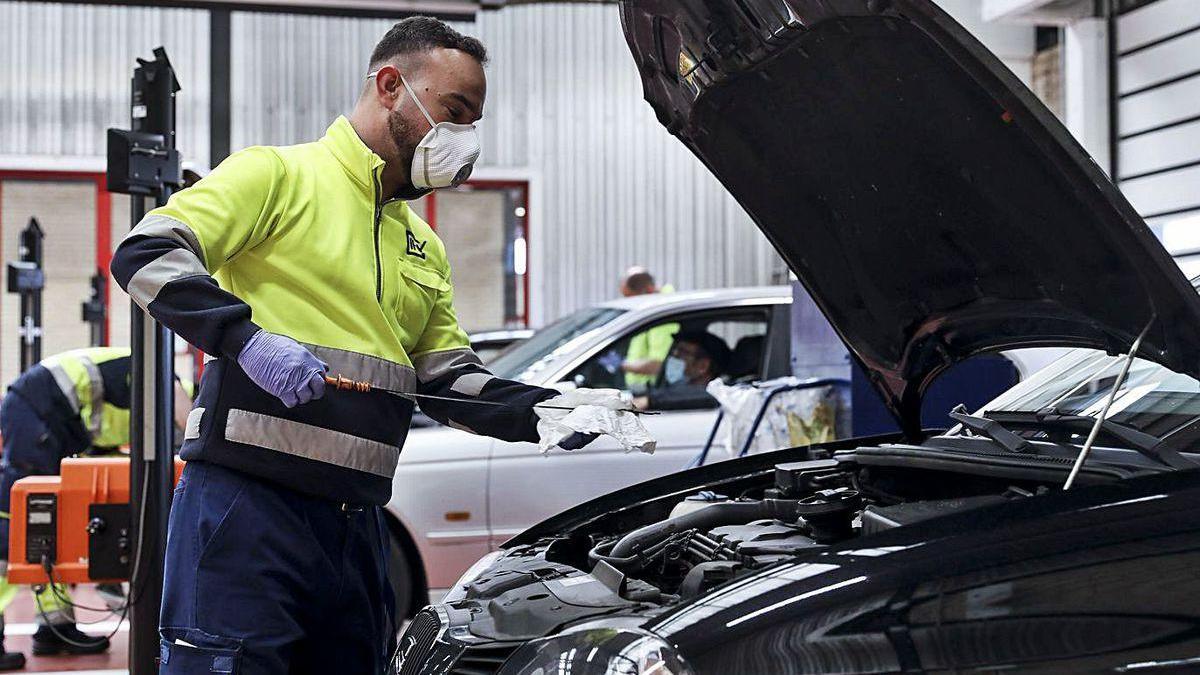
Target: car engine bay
{"x": 710, "y": 538}
{"x": 649, "y": 557}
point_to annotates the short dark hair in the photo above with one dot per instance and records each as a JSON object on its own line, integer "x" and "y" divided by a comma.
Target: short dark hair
{"x": 640, "y": 281}
{"x": 423, "y": 33}
{"x": 712, "y": 346}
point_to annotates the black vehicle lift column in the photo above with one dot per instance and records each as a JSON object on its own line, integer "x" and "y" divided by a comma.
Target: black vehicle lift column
{"x": 94, "y": 310}
{"x": 144, "y": 163}
{"x": 27, "y": 278}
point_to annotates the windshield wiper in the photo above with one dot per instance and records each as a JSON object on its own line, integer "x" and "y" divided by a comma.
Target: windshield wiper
{"x": 990, "y": 428}
{"x": 1145, "y": 444}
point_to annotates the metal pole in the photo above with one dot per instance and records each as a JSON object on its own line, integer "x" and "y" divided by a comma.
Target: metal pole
{"x": 220, "y": 54}
{"x": 1112, "y": 10}
{"x": 95, "y": 309}
{"x": 152, "y": 464}
{"x": 31, "y": 249}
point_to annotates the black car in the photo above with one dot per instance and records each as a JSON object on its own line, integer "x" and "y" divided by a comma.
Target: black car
{"x": 934, "y": 210}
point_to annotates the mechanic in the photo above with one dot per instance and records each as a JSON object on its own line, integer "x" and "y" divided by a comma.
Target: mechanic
{"x": 285, "y": 264}
{"x": 72, "y": 403}
{"x": 646, "y": 351}
{"x": 697, "y": 358}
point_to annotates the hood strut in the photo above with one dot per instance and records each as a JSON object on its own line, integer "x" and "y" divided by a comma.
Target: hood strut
{"x": 1112, "y": 396}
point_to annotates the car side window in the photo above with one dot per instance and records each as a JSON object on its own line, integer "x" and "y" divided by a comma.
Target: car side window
{"x": 668, "y": 363}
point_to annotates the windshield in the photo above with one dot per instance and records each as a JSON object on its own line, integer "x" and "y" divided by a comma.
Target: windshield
{"x": 1152, "y": 399}
{"x": 523, "y": 361}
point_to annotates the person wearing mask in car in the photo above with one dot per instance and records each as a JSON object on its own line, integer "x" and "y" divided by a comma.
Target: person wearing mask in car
{"x": 290, "y": 264}
{"x": 73, "y": 403}
{"x": 697, "y": 358}
{"x": 644, "y": 355}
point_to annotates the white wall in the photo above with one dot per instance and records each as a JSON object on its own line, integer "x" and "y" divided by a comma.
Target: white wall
{"x": 1158, "y": 112}
{"x": 1014, "y": 44}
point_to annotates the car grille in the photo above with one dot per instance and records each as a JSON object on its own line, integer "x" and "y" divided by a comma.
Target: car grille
{"x": 424, "y": 650}
{"x": 416, "y": 643}
{"x": 482, "y": 660}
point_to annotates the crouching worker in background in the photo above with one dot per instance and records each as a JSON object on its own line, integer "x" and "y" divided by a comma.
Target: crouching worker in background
{"x": 73, "y": 403}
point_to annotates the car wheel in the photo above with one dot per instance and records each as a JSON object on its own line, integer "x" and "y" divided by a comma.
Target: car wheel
{"x": 401, "y": 578}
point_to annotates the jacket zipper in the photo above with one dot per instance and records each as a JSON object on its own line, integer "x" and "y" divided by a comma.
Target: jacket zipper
{"x": 375, "y": 230}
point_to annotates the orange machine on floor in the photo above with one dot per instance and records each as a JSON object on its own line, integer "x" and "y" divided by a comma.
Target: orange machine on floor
{"x": 79, "y": 523}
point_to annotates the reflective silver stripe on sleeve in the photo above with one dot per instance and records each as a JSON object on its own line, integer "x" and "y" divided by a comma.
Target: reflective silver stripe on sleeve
{"x": 64, "y": 382}
{"x": 471, "y": 383}
{"x": 379, "y": 372}
{"x": 148, "y": 282}
{"x": 311, "y": 442}
{"x": 436, "y": 364}
{"x": 165, "y": 227}
{"x": 97, "y": 395}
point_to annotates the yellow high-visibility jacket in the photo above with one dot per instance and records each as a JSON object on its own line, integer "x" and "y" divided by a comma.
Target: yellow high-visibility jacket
{"x": 299, "y": 241}
{"x": 89, "y": 397}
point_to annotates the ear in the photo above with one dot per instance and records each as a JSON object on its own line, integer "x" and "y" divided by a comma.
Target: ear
{"x": 388, "y": 86}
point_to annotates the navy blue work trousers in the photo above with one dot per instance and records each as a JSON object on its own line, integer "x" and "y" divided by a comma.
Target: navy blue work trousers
{"x": 29, "y": 449}
{"x": 263, "y": 580}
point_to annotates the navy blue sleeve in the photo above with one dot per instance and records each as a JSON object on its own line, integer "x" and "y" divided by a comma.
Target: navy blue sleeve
{"x": 486, "y": 405}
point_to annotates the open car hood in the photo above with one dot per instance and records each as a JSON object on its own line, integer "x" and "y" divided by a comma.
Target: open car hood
{"x": 931, "y": 205}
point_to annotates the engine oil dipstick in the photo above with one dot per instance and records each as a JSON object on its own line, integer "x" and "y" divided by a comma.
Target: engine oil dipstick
{"x": 343, "y": 383}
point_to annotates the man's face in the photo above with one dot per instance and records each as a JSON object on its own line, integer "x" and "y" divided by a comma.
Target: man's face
{"x": 697, "y": 365}
{"x": 452, "y": 87}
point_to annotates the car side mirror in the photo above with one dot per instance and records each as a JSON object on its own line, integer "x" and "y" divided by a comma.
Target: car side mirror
{"x": 579, "y": 380}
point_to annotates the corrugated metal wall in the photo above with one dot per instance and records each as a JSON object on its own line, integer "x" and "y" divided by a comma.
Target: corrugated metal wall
{"x": 65, "y": 69}
{"x": 610, "y": 187}
{"x": 565, "y": 109}
{"x": 292, "y": 75}
{"x": 618, "y": 189}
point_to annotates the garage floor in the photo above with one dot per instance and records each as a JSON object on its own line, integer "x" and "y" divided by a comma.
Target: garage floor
{"x": 20, "y": 627}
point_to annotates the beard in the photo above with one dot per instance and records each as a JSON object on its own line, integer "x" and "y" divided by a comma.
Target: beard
{"x": 405, "y": 136}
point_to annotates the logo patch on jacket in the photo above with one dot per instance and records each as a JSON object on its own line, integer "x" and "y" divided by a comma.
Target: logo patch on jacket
{"x": 415, "y": 247}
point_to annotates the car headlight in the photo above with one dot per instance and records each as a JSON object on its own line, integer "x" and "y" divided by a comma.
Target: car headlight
{"x": 598, "y": 651}
{"x": 456, "y": 591}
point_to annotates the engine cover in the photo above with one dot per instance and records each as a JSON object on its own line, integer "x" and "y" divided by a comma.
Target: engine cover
{"x": 765, "y": 540}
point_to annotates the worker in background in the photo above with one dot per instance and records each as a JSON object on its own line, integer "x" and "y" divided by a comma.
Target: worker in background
{"x": 72, "y": 403}
{"x": 647, "y": 349}
{"x": 697, "y": 358}
{"x": 287, "y": 264}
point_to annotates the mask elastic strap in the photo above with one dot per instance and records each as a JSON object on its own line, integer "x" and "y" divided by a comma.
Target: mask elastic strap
{"x": 413, "y": 95}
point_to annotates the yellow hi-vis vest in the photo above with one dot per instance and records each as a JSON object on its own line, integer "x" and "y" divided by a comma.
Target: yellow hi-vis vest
{"x": 77, "y": 374}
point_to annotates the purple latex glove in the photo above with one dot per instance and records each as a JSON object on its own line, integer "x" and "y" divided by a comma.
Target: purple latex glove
{"x": 283, "y": 368}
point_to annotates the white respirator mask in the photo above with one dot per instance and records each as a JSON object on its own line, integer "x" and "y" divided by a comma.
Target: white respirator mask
{"x": 445, "y": 157}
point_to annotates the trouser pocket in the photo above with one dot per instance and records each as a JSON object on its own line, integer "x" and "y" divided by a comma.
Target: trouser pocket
{"x": 187, "y": 651}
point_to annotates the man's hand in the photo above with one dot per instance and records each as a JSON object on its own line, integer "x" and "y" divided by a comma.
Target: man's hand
{"x": 643, "y": 367}
{"x": 575, "y": 418}
{"x": 611, "y": 361}
{"x": 283, "y": 368}
{"x": 577, "y": 440}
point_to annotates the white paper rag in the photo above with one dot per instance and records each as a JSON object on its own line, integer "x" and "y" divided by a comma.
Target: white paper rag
{"x": 596, "y": 411}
